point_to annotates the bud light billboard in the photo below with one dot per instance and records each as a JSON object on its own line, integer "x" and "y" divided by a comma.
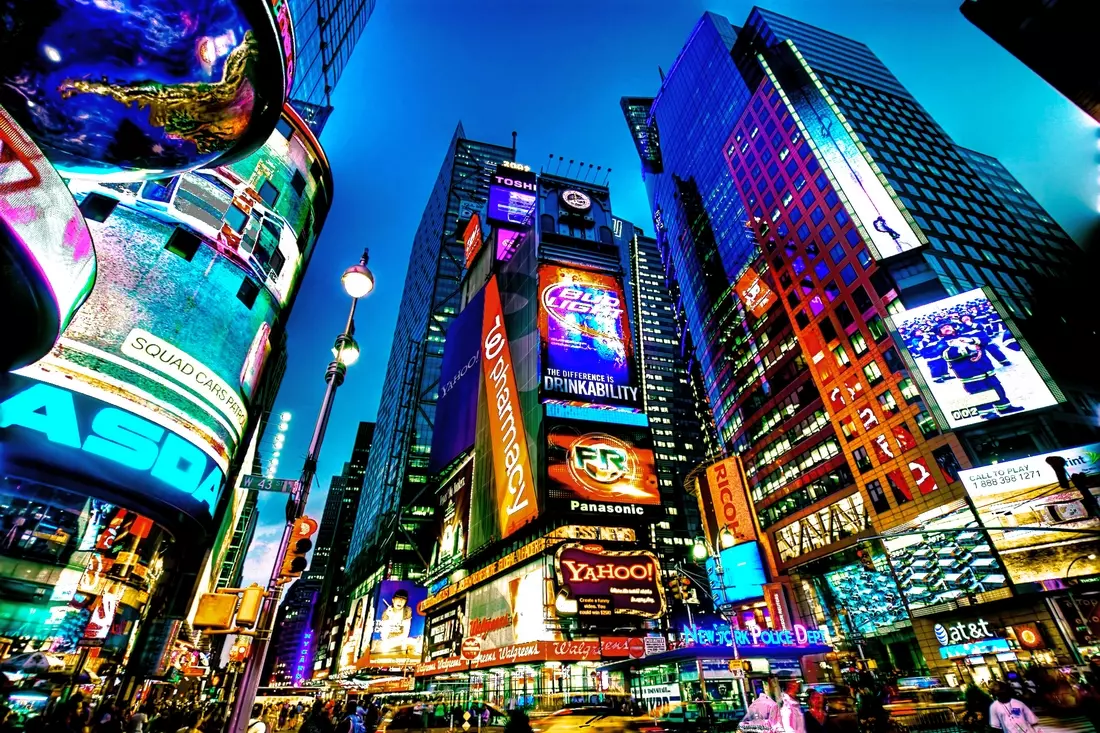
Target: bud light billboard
{"x": 459, "y": 378}
{"x": 587, "y": 348}
{"x": 601, "y": 469}
{"x": 973, "y": 364}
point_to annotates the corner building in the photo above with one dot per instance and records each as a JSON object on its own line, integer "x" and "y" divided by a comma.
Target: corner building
{"x": 124, "y": 446}
{"x": 812, "y": 211}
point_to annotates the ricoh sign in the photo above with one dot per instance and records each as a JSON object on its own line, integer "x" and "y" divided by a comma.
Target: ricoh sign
{"x": 724, "y": 504}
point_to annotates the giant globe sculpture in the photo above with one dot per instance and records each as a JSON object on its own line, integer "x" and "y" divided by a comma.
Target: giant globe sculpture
{"x": 131, "y": 89}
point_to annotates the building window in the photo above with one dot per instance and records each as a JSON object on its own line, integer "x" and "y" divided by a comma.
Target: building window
{"x": 909, "y": 390}
{"x": 859, "y": 344}
{"x": 889, "y": 405}
{"x": 183, "y": 243}
{"x": 877, "y": 328}
{"x": 877, "y": 496}
{"x": 841, "y": 356}
{"x": 872, "y": 372}
{"x": 862, "y": 460}
{"x": 269, "y": 194}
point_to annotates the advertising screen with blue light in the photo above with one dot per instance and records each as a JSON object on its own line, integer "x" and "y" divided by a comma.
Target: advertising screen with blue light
{"x": 742, "y": 575}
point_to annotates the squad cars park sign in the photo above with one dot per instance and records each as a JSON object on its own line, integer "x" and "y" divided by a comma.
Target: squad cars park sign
{"x": 607, "y": 584}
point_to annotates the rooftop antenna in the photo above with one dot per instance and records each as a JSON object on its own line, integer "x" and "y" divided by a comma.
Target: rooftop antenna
{"x": 588, "y": 172}
{"x": 606, "y": 176}
{"x": 597, "y": 173}
{"x": 551, "y": 161}
{"x": 569, "y": 168}
{"x": 580, "y": 168}
{"x": 662, "y": 73}
{"x": 560, "y": 159}
{"x": 513, "y": 144}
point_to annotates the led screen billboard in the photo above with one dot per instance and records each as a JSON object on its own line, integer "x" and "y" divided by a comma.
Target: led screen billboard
{"x": 511, "y": 208}
{"x": 595, "y": 467}
{"x": 881, "y": 217}
{"x": 935, "y": 562}
{"x": 515, "y": 498}
{"x": 587, "y": 347}
{"x": 397, "y": 635}
{"x": 1027, "y": 493}
{"x": 605, "y": 584}
{"x": 741, "y": 576}
{"x": 471, "y": 238}
{"x": 868, "y": 600}
{"x": 754, "y": 293}
{"x": 973, "y": 364}
{"x": 459, "y": 379}
{"x": 512, "y": 609}
{"x": 444, "y": 630}
{"x": 454, "y": 515}
{"x": 49, "y": 262}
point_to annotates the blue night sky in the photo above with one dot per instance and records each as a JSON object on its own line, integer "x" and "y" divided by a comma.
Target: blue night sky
{"x": 554, "y": 72}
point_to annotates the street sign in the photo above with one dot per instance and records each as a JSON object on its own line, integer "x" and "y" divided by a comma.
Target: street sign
{"x": 655, "y": 645}
{"x": 636, "y": 648}
{"x": 466, "y": 720}
{"x": 471, "y": 647}
{"x": 262, "y": 483}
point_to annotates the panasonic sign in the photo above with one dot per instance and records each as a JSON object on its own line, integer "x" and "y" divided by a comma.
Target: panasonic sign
{"x": 43, "y": 423}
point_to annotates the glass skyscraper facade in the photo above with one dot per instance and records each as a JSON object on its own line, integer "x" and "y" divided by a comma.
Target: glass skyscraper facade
{"x": 805, "y": 198}
{"x": 326, "y": 32}
{"x": 683, "y": 430}
{"x": 395, "y": 518}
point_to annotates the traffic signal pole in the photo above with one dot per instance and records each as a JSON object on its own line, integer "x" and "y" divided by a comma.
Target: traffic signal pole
{"x": 295, "y": 508}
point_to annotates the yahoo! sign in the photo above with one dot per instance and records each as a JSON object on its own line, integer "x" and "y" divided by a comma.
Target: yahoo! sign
{"x": 608, "y": 584}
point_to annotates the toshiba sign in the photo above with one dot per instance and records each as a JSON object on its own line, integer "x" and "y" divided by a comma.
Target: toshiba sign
{"x": 728, "y": 505}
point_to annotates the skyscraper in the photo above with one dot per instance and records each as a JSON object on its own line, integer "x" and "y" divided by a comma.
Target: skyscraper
{"x": 326, "y": 32}
{"x": 683, "y": 430}
{"x": 1055, "y": 38}
{"x": 812, "y": 210}
{"x": 330, "y": 555}
{"x": 289, "y": 662}
{"x": 393, "y": 526}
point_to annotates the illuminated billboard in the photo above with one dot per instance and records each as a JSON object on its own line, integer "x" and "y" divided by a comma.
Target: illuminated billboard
{"x": 606, "y": 584}
{"x": 513, "y": 198}
{"x": 107, "y": 443}
{"x": 869, "y": 600}
{"x": 49, "y": 262}
{"x": 595, "y": 467}
{"x": 459, "y": 379}
{"x": 192, "y": 275}
{"x": 741, "y": 576}
{"x": 471, "y": 238}
{"x": 754, "y": 293}
{"x": 724, "y": 505}
{"x": 454, "y": 514}
{"x": 397, "y": 636}
{"x": 934, "y": 562}
{"x": 876, "y": 210}
{"x": 516, "y": 501}
{"x": 512, "y": 609}
{"x": 1027, "y": 493}
{"x": 587, "y": 347}
{"x": 973, "y": 363}
{"x": 145, "y": 90}
{"x": 444, "y": 631}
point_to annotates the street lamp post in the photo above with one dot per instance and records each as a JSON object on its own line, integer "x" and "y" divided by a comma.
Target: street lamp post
{"x": 358, "y": 282}
{"x": 1076, "y": 608}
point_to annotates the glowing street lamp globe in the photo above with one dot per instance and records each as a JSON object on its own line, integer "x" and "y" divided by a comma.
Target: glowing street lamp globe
{"x": 358, "y": 280}
{"x": 346, "y": 350}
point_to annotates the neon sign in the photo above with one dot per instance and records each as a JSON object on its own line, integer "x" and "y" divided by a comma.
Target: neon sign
{"x": 723, "y": 635}
{"x": 303, "y": 658}
{"x": 961, "y": 633}
{"x": 106, "y": 437}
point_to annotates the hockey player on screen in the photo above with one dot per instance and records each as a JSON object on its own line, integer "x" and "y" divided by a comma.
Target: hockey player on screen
{"x": 967, "y": 356}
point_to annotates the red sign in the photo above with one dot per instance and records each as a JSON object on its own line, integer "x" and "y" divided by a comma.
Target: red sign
{"x": 754, "y": 293}
{"x": 471, "y": 648}
{"x": 533, "y": 651}
{"x": 726, "y": 484}
{"x": 607, "y": 583}
{"x": 515, "y": 484}
{"x": 472, "y": 238}
{"x": 621, "y": 646}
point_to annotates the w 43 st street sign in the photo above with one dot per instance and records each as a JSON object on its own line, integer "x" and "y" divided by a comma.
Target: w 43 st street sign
{"x": 278, "y": 485}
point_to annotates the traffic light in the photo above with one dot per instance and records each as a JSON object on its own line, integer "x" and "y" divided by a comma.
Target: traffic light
{"x": 252, "y": 600}
{"x": 865, "y": 559}
{"x": 685, "y": 588}
{"x": 240, "y": 649}
{"x": 294, "y": 562}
